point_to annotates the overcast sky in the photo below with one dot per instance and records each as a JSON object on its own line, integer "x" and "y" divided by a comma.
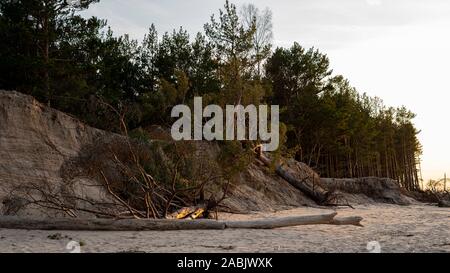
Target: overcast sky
{"x": 394, "y": 49}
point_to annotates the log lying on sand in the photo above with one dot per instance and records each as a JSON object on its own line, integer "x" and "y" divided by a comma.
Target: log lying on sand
{"x": 306, "y": 183}
{"x": 14, "y": 222}
{"x": 270, "y": 223}
{"x": 351, "y": 220}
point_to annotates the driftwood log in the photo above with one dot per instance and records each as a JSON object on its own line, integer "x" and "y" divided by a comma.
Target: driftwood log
{"x": 351, "y": 220}
{"x": 270, "y": 223}
{"x": 14, "y": 222}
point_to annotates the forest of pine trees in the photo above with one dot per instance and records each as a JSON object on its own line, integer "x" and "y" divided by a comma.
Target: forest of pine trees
{"x": 74, "y": 64}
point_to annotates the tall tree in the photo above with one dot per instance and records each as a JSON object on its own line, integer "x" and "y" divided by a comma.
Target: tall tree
{"x": 34, "y": 28}
{"x": 233, "y": 44}
{"x": 263, "y": 35}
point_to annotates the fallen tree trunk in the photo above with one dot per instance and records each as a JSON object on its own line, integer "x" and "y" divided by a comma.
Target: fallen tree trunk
{"x": 271, "y": 223}
{"x": 14, "y": 222}
{"x": 306, "y": 184}
{"x": 351, "y": 220}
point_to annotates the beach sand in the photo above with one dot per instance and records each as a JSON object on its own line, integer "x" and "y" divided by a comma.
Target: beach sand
{"x": 415, "y": 228}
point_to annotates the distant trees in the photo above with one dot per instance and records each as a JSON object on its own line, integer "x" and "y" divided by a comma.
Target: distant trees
{"x": 336, "y": 130}
{"x": 48, "y": 50}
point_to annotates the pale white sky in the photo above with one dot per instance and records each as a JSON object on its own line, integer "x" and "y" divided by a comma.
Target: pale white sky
{"x": 397, "y": 50}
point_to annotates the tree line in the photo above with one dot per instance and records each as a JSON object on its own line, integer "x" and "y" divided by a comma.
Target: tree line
{"x": 75, "y": 64}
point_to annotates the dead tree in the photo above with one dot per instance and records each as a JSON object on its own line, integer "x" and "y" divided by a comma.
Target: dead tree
{"x": 14, "y": 222}
{"x": 305, "y": 184}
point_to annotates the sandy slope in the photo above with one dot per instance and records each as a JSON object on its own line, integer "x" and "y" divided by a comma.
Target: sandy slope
{"x": 416, "y": 228}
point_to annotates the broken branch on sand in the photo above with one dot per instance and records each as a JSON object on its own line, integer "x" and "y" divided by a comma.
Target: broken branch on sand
{"x": 14, "y": 222}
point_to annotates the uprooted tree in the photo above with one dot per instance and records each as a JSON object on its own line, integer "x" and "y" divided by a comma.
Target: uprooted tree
{"x": 303, "y": 178}
{"x": 140, "y": 179}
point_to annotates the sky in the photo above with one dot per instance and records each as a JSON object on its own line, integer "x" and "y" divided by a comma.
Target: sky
{"x": 397, "y": 50}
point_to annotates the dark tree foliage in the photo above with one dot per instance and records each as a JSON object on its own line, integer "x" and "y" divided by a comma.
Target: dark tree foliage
{"x": 34, "y": 36}
{"x": 336, "y": 130}
{"x": 78, "y": 65}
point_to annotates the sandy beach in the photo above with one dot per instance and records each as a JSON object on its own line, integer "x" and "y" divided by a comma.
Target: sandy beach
{"x": 415, "y": 228}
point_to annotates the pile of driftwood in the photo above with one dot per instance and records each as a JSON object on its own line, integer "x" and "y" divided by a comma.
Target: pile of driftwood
{"x": 99, "y": 224}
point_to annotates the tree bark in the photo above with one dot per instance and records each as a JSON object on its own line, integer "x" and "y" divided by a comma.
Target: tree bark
{"x": 271, "y": 223}
{"x": 13, "y": 222}
{"x": 351, "y": 220}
